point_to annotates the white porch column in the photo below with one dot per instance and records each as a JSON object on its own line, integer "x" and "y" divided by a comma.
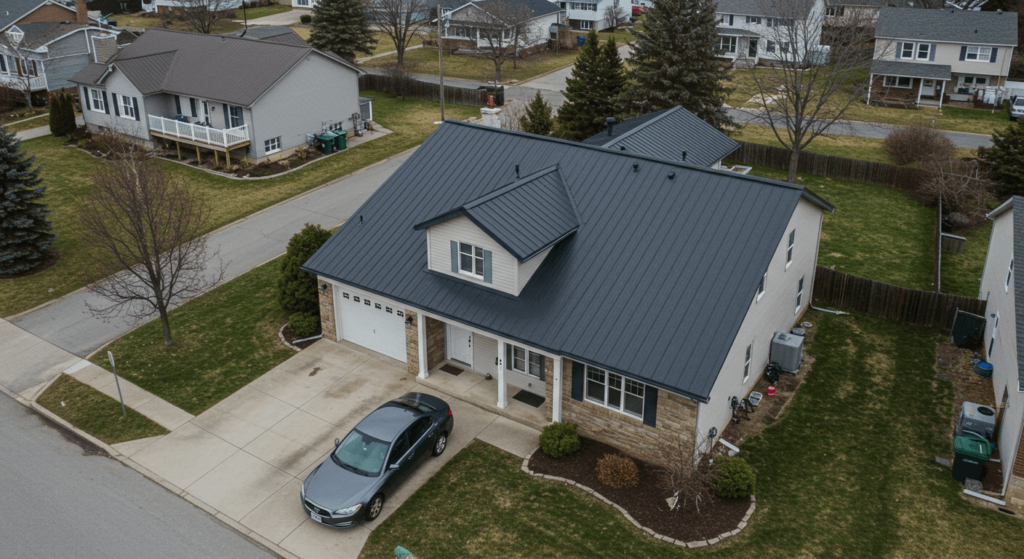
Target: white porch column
{"x": 942, "y": 94}
{"x": 556, "y": 393}
{"x": 920, "y": 84}
{"x": 421, "y": 336}
{"x": 502, "y": 389}
{"x": 871, "y": 78}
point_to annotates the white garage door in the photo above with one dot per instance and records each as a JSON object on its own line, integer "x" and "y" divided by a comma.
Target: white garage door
{"x": 372, "y": 322}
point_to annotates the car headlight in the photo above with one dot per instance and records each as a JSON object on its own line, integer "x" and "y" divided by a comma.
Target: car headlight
{"x": 348, "y": 512}
{"x": 302, "y": 492}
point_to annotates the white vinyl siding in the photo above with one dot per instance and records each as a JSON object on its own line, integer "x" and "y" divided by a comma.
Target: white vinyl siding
{"x": 462, "y": 230}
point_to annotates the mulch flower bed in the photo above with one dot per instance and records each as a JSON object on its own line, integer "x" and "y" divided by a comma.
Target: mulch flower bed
{"x": 647, "y": 501}
{"x": 290, "y": 337}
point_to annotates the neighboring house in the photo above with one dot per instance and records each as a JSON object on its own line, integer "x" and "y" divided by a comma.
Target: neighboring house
{"x": 271, "y": 34}
{"x": 636, "y": 296}
{"x": 470, "y": 22}
{"x": 860, "y": 12}
{"x": 591, "y": 14}
{"x": 169, "y": 6}
{"x": 1002, "y": 286}
{"x": 748, "y": 31}
{"x": 923, "y": 57}
{"x": 20, "y": 12}
{"x": 305, "y": 4}
{"x": 252, "y": 98}
{"x": 673, "y": 134}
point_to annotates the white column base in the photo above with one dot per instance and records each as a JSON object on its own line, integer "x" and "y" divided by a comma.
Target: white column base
{"x": 502, "y": 388}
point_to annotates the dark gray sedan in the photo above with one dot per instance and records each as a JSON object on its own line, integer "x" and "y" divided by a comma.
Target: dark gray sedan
{"x": 374, "y": 458}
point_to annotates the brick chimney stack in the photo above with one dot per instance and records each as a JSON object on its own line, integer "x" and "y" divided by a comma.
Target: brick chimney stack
{"x": 81, "y": 12}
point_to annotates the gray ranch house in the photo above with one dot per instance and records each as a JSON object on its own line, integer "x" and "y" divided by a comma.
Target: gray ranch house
{"x": 631, "y": 295}
{"x": 244, "y": 97}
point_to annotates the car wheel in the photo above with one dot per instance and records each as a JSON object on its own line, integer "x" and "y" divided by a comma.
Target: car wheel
{"x": 376, "y": 505}
{"x": 440, "y": 444}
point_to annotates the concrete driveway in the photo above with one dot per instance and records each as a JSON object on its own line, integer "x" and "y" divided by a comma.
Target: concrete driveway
{"x": 290, "y": 17}
{"x": 244, "y": 459}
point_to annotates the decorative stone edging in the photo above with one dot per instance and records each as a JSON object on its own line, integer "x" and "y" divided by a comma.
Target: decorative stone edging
{"x": 280, "y": 334}
{"x": 657, "y": 536}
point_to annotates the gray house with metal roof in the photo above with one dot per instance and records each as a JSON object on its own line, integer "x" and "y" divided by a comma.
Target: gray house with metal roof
{"x": 925, "y": 57}
{"x": 673, "y": 134}
{"x": 242, "y": 96}
{"x": 632, "y": 295}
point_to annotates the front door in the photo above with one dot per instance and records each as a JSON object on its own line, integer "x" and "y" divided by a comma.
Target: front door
{"x": 460, "y": 345}
{"x": 927, "y": 88}
{"x": 752, "y": 50}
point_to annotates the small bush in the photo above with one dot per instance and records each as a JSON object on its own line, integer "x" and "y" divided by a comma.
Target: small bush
{"x": 618, "y": 471}
{"x": 734, "y": 478}
{"x": 296, "y": 288}
{"x": 559, "y": 440}
{"x": 306, "y": 18}
{"x": 304, "y": 324}
{"x": 915, "y": 144}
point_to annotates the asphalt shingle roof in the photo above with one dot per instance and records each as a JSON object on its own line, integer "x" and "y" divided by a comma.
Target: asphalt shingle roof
{"x": 797, "y": 9}
{"x": 654, "y": 284}
{"x": 948, "y": 26}
{"x": 911, "y": 69}
{"x": 666, "y": 134}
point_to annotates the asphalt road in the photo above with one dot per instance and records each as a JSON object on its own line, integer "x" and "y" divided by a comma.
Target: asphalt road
{"x": 63, "y": 500}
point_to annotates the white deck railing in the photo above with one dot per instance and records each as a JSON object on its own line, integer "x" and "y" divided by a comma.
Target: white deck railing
{"x": 18, "y": 82}
{"x": 198, "y": 132}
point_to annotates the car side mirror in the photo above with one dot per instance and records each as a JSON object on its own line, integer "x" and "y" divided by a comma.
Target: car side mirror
{"x": 337, "y": 443}
{"x": 393, "y": 467}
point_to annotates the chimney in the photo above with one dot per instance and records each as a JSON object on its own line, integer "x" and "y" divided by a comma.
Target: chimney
{"x": 490, "y": 114}
{"x": 611, "y": 122}
{"x": 104, "y": 45}
{"x": 81, "y": 12}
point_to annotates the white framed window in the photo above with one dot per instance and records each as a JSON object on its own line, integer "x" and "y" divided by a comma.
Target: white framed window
{"x": 96, "y": 96}
{"x": 727, "y": 44}
{"x": 471, "y": 260}
{"x": 973, "y": 80}
{"x": 127, "y": 107}
{"x": 727, "y": 19}
{"x": 897, "y": 81}
{"x": 615, "y": 392}
{"x": 763, "y": 286}
{"x": 235, "y": 114}
{"x": 995, "y": 329}
{"x": 908, "y": 50}
{"x": 746, "y": 363}
{"x": 272, "y": 145}
{"x": 778, "y": 22}
{"x": 784, "y": 47}
{"x": 922, "y": 51}
{"x": 754, "y": 19}
{"x": 302, "y": 3}
{"x": 789, "y": 251}
{"x": 799, "y": 295}
{"x": 769, "y": 46}
{"x": 1009, "y": 274}
{"x": 983, "y": 54}
{"x": 584, "y": 24}
{"x": 524, "y": 361}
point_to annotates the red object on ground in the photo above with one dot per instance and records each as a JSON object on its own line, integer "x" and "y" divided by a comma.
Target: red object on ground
{"x": 637, "y": 11}
{"x": 771, "y": 390}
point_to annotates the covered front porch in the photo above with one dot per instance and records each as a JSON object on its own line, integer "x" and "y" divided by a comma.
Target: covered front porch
{"x": 908, "y": 83}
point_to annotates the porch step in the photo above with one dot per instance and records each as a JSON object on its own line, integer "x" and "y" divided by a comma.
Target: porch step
{"x": 493, "y": 408}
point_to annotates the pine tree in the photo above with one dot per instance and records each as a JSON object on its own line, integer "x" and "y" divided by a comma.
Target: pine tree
{"x": 673, "y": 62}
{"x": 538, "y": 117}
{"x": 1004, "y": 161}
{"x": 24, "y": 230}
{"x": 296, "y": 289}
{"x": 590, "y": 93}
{"x": 340, "y": 26}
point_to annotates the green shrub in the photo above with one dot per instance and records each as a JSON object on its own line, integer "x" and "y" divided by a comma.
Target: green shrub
{"x": 618, "y": 471}
{"x": 304, "y": 324}
{"x": 734, "y": 478}
{"x": 559, "y": 439}
{"x": 296, "y": 289}
{"x": 306, "y": 18}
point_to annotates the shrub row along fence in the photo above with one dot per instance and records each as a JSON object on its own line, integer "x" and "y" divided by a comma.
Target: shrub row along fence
{"x": 428, "y": 91}
{"x": 899, "y": 304}
{"x": 884, "y": 174}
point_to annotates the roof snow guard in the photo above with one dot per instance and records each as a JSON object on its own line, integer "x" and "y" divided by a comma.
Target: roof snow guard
{"x": 525, "y": 217}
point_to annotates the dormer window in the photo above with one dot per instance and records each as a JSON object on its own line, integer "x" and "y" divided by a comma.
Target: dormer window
{"x": 15, "y": 35}
{"x": 471, "y": 260}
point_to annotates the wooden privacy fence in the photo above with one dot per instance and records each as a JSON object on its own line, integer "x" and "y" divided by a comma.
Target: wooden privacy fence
{"x": 884, "y": 174}
{"x": 428, "y": 91}
{"x": 899, "y": 304}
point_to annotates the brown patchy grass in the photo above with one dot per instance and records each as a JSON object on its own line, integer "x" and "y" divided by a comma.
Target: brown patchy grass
{"x": 96, "y": 413}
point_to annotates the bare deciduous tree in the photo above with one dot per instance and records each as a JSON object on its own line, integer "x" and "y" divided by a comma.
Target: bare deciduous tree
{"x": 802, "y": 92}
{"x": 512, "y": 114}
{"x": 503, "y": 30}
{"x": 398, "y": 80}
{"x": 689, "y": 471}
{"x": 961, "y": 186}
{"x": 615, "y": 15}
{"x": 399, "y": 19}
{"x": 145, "y": 228}
{"x": 202, "y": 15}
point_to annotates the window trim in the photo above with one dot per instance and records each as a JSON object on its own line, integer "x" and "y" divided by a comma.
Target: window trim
{"x": 799, "y": 295}
{"x": 622, "y": 388}
{"x": 762, "y": 287}
{"x": 271, "y": 141}
{"x": 127, "y": 107}
{"x": 1009, "y": 275}
{"x": 96, "y": 97}
{"x": 474, "y": 258}
{"x": 912, "y": 47}
{"x": 896, "y": 82}
{"x": 733, "y": 43}
{"x": 789, "y": 250}
{"x": 746, "y": 364}
{"x": 927, "y": 51}
{"x": 978, "y": 54}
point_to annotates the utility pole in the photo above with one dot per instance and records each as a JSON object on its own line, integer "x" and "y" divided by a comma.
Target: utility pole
{"x": 440, "y": 59}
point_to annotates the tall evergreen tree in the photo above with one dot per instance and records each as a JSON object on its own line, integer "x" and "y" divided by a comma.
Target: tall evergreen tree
{"x": 24, "y": 229}
{"x": 340, "y": 26}
{"x": 673, "y": 62}
{"x": 538, "y": 117}
{"x": 68, "y": 112}
{"x": 591, "y": 92}
{"x": 1004, "y": 161}
{"x": 55, "y": 114}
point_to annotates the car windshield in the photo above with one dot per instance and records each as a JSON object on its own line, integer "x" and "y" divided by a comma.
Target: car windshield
{"x": 361, "y": 453}
{"x": 1019, "y": 102}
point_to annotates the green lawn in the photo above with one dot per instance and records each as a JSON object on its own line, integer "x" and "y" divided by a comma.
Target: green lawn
{"x": 222, "y": 341}
{"x": 68, "y": 171}
{"x": 386, "y": 44}
{"x": 222, "y": 25}
{"x": 853, "y": 147}
{"x": 848, "y": 470}
{"x": 263, "y": 11}
{"x": 96, "y": 413}
{"x": 424, "y": 61}
{"x": 961, "y": 273}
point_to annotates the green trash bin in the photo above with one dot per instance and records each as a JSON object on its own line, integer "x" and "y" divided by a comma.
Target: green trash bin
{"x": 340, "y": 138}
{"x": 326, "y": 143}
{"x": 971, "y": 451}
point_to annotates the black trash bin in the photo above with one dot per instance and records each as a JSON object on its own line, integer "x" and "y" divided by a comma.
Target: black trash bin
{"x": 971, "y": 451}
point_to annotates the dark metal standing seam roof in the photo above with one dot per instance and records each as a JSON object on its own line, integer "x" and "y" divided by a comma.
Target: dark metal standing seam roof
{"x": 911, "y": 69}
{"x": 653, "y": 285}
{"x": 667, "y": 134}
{"x": 525, "y": 217}
{"x": 948, "y": 25}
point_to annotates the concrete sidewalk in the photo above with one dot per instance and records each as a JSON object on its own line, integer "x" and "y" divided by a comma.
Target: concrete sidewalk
{"x": 41, "y": 131}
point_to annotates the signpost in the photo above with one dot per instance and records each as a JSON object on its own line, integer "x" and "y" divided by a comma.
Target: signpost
{"x": 440, "y": 55}
{"x": 110, "y": 356}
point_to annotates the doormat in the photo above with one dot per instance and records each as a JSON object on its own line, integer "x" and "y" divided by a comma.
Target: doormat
{"x": 529, "y": 398}
{"x": 451, "y": 369}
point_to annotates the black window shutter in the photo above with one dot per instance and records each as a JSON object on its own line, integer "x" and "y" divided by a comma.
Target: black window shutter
{"x": 455, "y": 257}
{"x": 177, "y": 105}
{"x": 995, "y": 51}
{"x": 192, "y": 104}
{"x": 135, "y": 104}
{"x": 543, "y": 363}
{"x": 931, "y": 52}
{"x": 241, "y": 116}
{"x": 86, "y": 103}
{"x": 106, "y": 106}
{"x": 227, "y": 118}
{"x": 117, "y": 111}
{"x": 650, "y": 406}
{"x": 508, "y": 358}
{"x": 963, "y": 53}
{"x": 899, "y": 51}
{"x": 577, "y": 381}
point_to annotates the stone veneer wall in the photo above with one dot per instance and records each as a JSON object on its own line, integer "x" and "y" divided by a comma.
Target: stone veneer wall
{"x": 676, "y": 421}
{"x": 327, "y": 324}
{"x": 435, "y": 343}
{"x": 412, "y": 344}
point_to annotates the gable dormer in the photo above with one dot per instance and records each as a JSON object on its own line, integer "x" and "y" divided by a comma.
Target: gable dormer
{"x": 500, "y": 239}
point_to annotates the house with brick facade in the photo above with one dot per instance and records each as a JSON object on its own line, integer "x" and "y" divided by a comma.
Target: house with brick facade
{"x": 927, "y": 57}
{"x": 553, "y": 281}
{"x": 1003, "y": 287}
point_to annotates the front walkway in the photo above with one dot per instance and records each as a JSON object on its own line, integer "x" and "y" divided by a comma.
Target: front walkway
{"x": 473, "y": 387}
